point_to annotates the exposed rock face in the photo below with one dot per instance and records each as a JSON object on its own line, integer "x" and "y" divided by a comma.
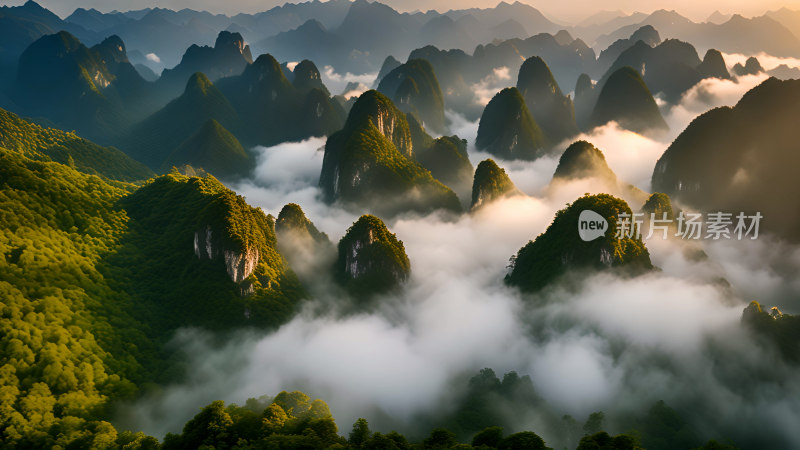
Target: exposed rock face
{"x": 713, "y": 65}
{"x": 552, "y": 110}
{"x": 239, "y": 264}
{"x": 369, "y": 163}
{"x": 560, "y": 249}
{"x": 491, "y": 183}
{"x": 371, "y": 259}
{"x": 414, "y": 87}
{"x": 508, "y": 130}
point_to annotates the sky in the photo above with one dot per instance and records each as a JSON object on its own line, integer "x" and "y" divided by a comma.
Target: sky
{"x": 572, "y": 11}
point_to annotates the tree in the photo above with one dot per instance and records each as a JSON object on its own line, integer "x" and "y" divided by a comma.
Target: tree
{"x": 594, "y": 424}
{"x": 360, "y": 432}
{"x": 440, "y": 438}
{"x": 524, "y": 440}
{"x": 603, "y": 441}
{"x": 489, "y": 437}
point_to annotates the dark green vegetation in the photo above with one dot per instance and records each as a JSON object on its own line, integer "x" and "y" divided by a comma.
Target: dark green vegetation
{"x": 722, "y": 160}
{"x": 491, "y": 182}
{"x": 481, "y": 418}
{"x": 371, "y": 258}
{"x": 291, "y": 421}
{"x": 214, "y": 149}
{"x": 659, "y": 203}
{"x": 39, "y": 143}
{"x": 508, "y": 130}
{"x": 583, "y": 160}
{"x": 560, "y": 247}
{"x": 626, "y": 99}
{"x": 552, "y": 110}
{"x": 97, "y": 274}
{"x": 93, "y": 90}
{"x": 780, "y": 331}
{"x": 153, "y": 140}
{"x": 369, "y": 163}
{"x": 414, "y": 88}
{"x": 229, "y": 56}
{"x": 447, "y": 159}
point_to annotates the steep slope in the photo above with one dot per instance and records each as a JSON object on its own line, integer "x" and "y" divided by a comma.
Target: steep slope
{"x": 720, "y": 161}
{"x": 626, "y": 99}
{"x": 94, "y": 91}
{"x": 646, "y": 34}
{"x": 198, "y": 254}
{"x": 371, "y": 259}
{"x": 508, "y": 130}
{"x": 552, "y": 110}
{"x": 229, "y": 56}
{"x": 447, "y": 159}
{"x": 72, "y": 343}
{"x": 273, "y": 110}
{"x": 751, "y": 67}
{"x": 560, "y": 249}
{"x": 39, "y": 143}
{"x": 582, "y": 160}
{"x": 212, "y": 148}
{"x": 491, "y": 183}
{"x": 369, "y": 163}
{"x": 309, "y": 251}
{"x": 585, "y": 98}
{"x": 713, "y": 66}
{"x": 154, "y": 139}
{"x": 307, "y": 77}
{"x": 414, "y": 88}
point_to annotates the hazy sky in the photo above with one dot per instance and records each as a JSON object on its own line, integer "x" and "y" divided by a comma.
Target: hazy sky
{"x": 572, "y": 10}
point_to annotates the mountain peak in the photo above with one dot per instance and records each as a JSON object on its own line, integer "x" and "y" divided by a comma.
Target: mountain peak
{"x": 560, "y": 248}
{"x": 371, "y": 258}
{"x": 626, "y": 99}
{"x": 491, "y": 183}
{"x": 507, "y": 128}
{"x": 582, "y": 160}
{"x": 227, "y": 39}
{"x": 198, "y": 84}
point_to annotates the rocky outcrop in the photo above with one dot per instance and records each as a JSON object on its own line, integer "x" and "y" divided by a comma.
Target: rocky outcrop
{"x": 552, "y": 110}
{"x": 491, "y": 183}
{"x": 371, "y": 259}
{"x": 563, "y": 248}
{"x": 239, "y": 264}
{"x": 713, "y": 66}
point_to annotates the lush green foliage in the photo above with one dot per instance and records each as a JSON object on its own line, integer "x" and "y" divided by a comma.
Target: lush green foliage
{"x": 212, "y": 148}
{"x": 368, "y": 163}
{"x": 508, "y": 130}
{"x": 290, "y": 421}
{"x": 155, "y": 138}
{"x": 582, "y": 160}
{"x": 560, "y": 248}
{"x": 36, "y": 142}
{"x": 490, "y": 183}
{"x": 447, "y": 159}
{"x": 659, "y": 203}
{"x": 70, "y": 342}
{"x": 371, "y": 258}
